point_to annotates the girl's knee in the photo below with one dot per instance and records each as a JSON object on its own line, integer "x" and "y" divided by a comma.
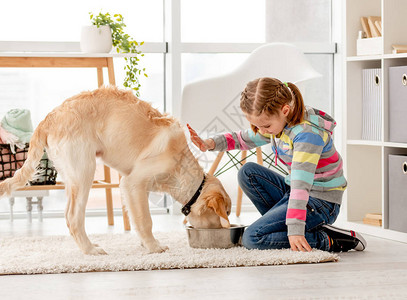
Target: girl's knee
{"x": 249, "y": 240}
{"x": 245, "y": 171}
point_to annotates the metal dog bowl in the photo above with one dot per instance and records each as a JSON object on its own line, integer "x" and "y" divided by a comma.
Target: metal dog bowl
{"x": 215, "y": 238}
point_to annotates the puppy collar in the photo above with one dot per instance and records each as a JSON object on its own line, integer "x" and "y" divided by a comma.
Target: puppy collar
{"x": 186, "y": 209}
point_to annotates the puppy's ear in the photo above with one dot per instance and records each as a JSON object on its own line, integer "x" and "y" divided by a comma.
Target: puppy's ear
{"x": 217, "y": 203}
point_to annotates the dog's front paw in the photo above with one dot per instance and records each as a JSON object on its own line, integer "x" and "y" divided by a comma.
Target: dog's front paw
{"x": 155, "y": 247}
{"x": 158, "y": 249}
{"x": 95, "y": 251}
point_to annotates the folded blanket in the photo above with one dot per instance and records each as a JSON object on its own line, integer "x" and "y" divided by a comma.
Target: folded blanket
{"x": 18, "y": 122}
{"x": 9, "y": 138}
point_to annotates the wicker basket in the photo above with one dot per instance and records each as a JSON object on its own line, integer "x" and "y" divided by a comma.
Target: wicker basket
{"x": 11, "y": 162}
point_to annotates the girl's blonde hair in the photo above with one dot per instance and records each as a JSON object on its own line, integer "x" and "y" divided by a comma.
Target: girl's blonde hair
{"x": 268, "y": 95}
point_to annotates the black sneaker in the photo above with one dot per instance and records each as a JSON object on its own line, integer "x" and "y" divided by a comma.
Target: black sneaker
{"x": 343, "y": 240}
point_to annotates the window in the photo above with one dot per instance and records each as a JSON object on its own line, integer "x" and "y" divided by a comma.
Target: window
{"x": 225, "y": 21}
{"x": 299, "y": 21}
{"x": 294, "y": 21}
{"x": 49, "y": 20}
{"x": 203, "y": 65}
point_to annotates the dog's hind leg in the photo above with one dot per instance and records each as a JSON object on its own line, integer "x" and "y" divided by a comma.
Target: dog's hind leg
{"x": 78, "y": 176}
{"x": 136, "y": 200}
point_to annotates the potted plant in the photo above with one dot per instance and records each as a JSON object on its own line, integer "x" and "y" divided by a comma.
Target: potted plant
{"x": 96, "y": 39}
{"x": 123, "y": 44}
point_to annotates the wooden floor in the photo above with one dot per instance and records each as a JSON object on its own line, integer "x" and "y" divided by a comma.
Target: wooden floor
{"x": 380, "y": 272}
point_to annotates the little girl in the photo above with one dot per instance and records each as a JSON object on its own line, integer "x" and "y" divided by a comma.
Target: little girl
{"x": 296, "y": 210}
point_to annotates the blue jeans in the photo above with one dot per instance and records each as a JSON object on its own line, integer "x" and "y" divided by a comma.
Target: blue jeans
{"x": 269, "y": 193}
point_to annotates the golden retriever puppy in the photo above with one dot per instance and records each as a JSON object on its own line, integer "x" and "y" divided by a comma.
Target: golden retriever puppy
{"x": 147, "y": 148}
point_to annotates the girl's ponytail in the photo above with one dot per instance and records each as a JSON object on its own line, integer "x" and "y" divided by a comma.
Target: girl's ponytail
{"x": 297, "y": 113}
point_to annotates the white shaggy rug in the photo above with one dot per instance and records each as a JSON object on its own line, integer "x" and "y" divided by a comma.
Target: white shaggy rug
{"x": 59, "y": 254}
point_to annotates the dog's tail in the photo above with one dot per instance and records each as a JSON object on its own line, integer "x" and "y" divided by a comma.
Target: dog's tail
{"x": 35, "y": 152}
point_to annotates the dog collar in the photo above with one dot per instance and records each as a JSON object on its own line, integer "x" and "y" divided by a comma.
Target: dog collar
{"x": 186, "y": 209}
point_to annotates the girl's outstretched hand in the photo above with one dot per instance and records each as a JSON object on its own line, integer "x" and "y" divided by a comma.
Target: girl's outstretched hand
{"x": 203, "y": 145}
{"x": 299, "y": 243}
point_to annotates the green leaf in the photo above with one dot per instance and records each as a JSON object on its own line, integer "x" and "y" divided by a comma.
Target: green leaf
{"x": 123, "y": 43}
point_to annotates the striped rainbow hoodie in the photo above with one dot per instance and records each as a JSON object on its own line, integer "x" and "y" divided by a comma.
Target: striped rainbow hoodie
{"x": 308, "y": 152}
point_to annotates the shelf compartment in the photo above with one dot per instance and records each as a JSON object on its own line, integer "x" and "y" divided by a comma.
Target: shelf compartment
{"x": 354, "y": 85}
{"x": 354, "y": 11}
{"x": 388, "y": 151}
{"x": 388, "y": 63}
{"x": 394, "y": 18}
{"x": 364, "y": 175}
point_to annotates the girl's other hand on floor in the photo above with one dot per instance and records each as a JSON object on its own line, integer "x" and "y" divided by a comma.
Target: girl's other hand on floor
{"x": 203, "y": 145}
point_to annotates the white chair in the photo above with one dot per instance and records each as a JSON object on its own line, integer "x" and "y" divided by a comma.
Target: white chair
{"x": 211, "y": 105}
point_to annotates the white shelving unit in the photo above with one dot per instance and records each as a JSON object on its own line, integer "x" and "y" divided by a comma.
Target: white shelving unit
{"x": 367, "y": 161}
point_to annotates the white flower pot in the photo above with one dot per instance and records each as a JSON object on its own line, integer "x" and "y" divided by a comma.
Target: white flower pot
{"x": 96, "y": 40}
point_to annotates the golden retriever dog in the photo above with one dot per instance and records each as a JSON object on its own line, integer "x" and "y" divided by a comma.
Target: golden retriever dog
{"x": 147, "y": 148}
